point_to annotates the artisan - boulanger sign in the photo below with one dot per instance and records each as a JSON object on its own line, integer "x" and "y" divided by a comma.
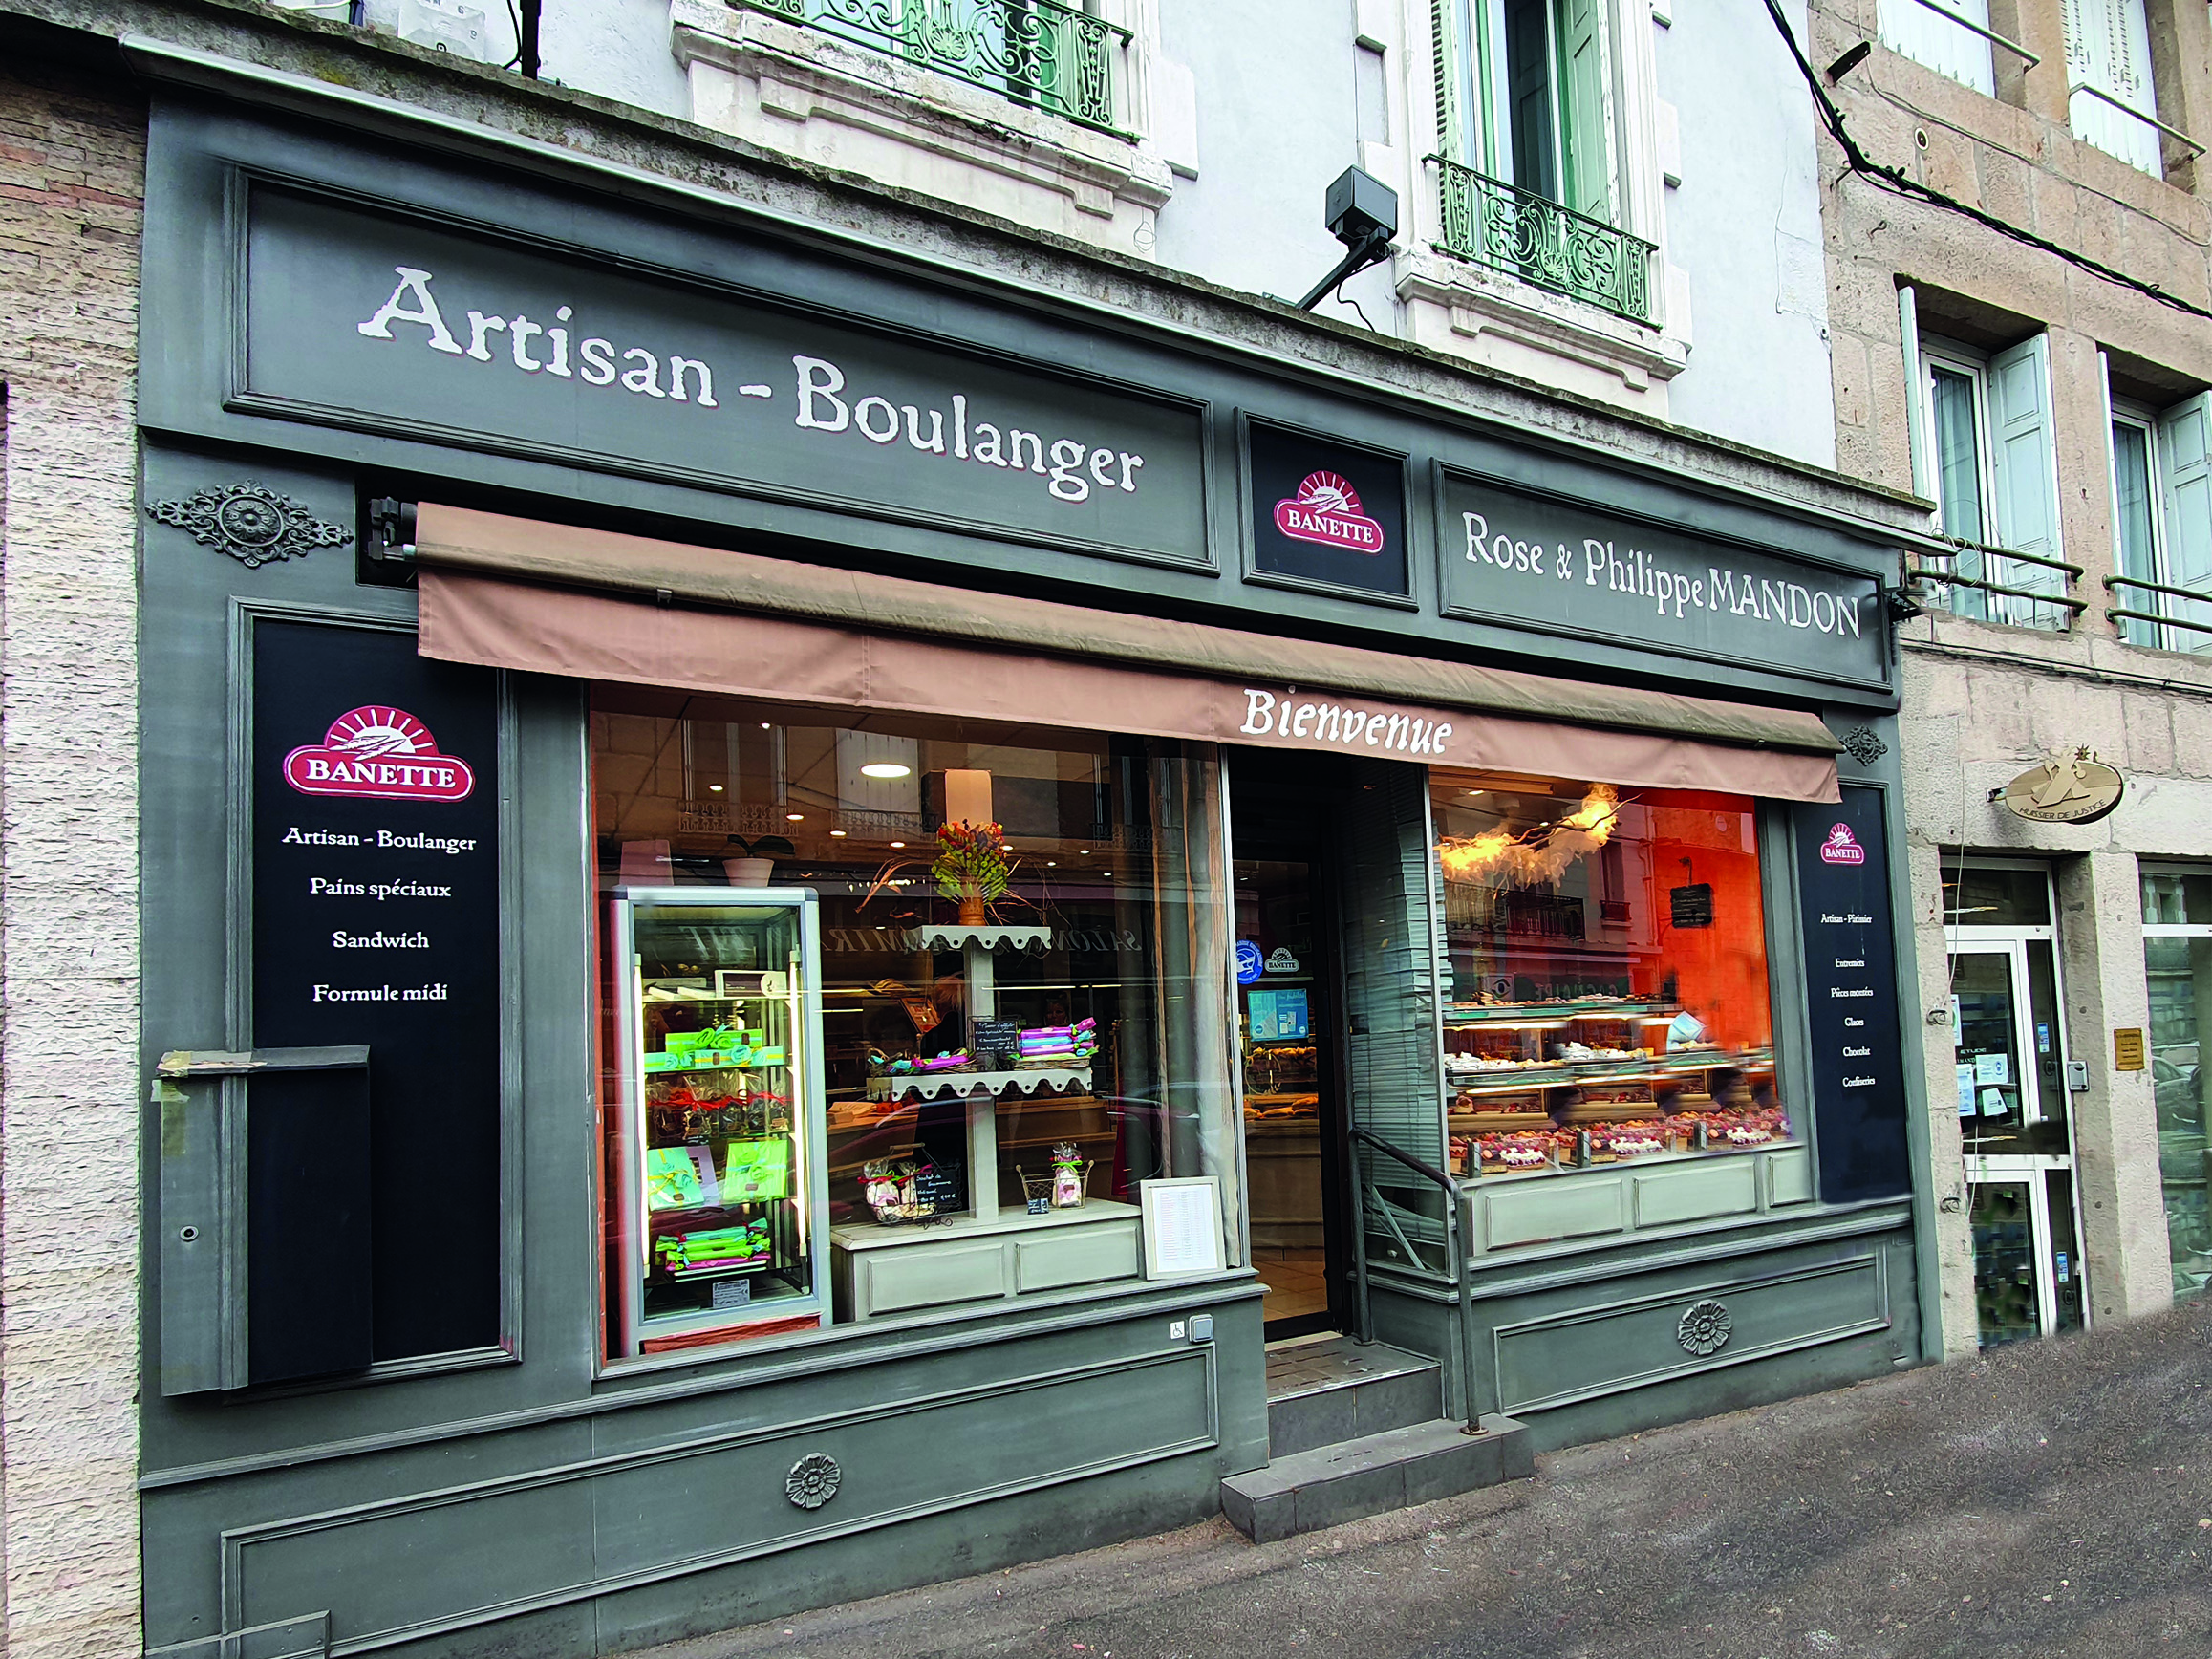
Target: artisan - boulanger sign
{"x": 419, "y": 330}
{"x": 1530, "y": 560}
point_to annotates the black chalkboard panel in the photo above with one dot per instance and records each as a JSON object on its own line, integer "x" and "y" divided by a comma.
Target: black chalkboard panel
{"x": 996, "y": 1043}
{"x": 308, "y": 1270}
{"x": 375, "y": 920}
{"x": 1859, "y": 1093}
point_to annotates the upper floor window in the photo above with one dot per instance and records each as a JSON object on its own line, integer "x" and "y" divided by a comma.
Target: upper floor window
{"x": 2108, "y": 73}
{"x": 1982, "y": 429}
{"x": 1950, "y": 37}
{"x": 1531, "y": 148}
{"x": 2162, "y": 465}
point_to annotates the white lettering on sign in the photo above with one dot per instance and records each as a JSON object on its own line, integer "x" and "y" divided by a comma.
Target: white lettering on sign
{"x": 1072, "y": 468}
{"x": 1267, "y": 715}
{"x": 1669, "y": 589}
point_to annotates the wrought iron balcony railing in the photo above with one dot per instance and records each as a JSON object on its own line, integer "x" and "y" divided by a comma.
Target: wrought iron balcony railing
{"x": 1512, "y": 230}
{"x": 1040, "y": 52}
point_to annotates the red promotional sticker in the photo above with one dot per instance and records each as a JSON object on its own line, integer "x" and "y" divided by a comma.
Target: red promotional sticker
{"x": 1327, "y": 509}
{"x": 385, "y": 753}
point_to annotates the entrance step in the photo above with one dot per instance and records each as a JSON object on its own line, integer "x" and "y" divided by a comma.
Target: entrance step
{"x": 1395, "y": 1469}
{"x": 1331, "y": 1389}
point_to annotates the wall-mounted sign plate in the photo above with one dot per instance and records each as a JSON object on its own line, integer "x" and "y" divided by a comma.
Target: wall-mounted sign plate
{"x": 2128, "y": 1050}
{"x": 1325, "y": 514}
{"x": 2071, "y": 790}
{"x": 1566, "y": 567}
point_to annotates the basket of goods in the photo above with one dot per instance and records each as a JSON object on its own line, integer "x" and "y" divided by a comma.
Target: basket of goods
{"x": 1044, "y": 1046}
{"x": 1061, "y": 1186}
{"x": 888, "y": 1186}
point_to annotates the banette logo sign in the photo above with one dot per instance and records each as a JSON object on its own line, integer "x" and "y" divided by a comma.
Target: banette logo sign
{"x": 385, "y": 753}
{"x": 1841, "y": 847}
{"x": 1327, "y": 509}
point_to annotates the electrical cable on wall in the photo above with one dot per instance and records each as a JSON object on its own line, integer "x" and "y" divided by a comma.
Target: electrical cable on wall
{"x": 1895, "y": 180}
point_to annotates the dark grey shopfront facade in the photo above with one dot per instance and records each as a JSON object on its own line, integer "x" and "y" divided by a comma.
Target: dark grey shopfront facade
{"x": 394, "y": 1397}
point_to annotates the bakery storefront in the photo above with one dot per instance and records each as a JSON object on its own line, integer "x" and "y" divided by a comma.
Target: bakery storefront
{"x": 798, "y": 906}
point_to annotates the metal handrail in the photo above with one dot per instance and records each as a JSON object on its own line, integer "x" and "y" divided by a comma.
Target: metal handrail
{"x": 1945, "y": 579}
{"x": 2099, "y": 93}
{"x": 2157, "y": 587}
{"x": 2122, "y": 613}
{"x": 1456, "y": 1258}
{"x": 1957, "y": 545}
{"x": 1990, "y": 34}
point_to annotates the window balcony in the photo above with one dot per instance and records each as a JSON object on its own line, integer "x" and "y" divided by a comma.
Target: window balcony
{"x": 1036, "y": 53}
{"x": 1523, "y": 234}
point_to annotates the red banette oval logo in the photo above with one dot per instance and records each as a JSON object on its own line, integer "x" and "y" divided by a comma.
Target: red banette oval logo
{"x": 1327, "y": 509}
{"x": 384, "y": 753}
{"x": 1841, "y": 847}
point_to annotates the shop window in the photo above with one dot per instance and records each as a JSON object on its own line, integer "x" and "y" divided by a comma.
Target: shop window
{"x": 1981, "y": 436}
{"x": 899, "y": 1020}
{"x": 2161, "y": 478}
{"x": 2108, "y": 73}
{"x": 1607, "y": 954}
{"x": 2178, "y": 965}
{"x": 1950, "y": 37}
{"x": 1531, "y": 164}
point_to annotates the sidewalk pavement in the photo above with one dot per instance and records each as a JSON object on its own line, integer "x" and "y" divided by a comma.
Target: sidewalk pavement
{"x": 2048, "y": 1499}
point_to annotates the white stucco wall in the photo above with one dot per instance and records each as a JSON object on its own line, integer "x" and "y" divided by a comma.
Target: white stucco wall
{"x": 1744, "y": 226}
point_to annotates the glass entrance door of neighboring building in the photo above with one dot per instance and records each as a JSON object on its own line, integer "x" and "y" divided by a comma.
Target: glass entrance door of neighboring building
{"x": 2013, "y": 1103}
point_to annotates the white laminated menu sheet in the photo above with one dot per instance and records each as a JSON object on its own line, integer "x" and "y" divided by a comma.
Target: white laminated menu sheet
{"x": 1182, "y": 1226}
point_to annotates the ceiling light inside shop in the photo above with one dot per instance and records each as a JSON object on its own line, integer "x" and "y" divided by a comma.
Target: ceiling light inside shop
{"x": 795, "y": 817}
{"x": 836, "y": 835}
{"x": 714, "y": 788}
{"x": 896, "y": 846}
{"x": 886, "y": 769}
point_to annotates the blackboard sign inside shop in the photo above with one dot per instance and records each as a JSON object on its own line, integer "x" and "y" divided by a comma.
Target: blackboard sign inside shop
{"x": 1858, "y": 1094}
{"x": 1527, "y": 559}
{"x": 375, "y": 920}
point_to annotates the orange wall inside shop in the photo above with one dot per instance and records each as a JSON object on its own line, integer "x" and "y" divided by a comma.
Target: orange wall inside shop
{"x": 1720, "y": 971}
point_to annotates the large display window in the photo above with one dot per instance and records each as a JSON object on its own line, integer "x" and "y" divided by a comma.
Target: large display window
{"x": 988, "y": 1002}
{"x": 1608, "y": 993}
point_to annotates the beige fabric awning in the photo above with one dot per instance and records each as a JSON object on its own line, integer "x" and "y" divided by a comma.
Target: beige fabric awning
{"x": 553, "y": 598}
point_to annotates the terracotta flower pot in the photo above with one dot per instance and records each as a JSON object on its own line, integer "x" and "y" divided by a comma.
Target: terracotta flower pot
{"x": 749, "y": 871}
{"x": 971, "y": 911}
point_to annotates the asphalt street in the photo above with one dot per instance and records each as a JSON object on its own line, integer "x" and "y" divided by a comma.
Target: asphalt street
{"x": 2051, "y": 1499}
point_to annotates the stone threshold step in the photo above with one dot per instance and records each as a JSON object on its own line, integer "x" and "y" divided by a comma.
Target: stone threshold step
{"x": 1396, "y": 1469}
{"x": 1379, "y": 1388}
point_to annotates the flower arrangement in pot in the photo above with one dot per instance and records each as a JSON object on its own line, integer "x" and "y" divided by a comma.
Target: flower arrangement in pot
{"x": 970, "y": 870}
{"x": 754, "y": 864}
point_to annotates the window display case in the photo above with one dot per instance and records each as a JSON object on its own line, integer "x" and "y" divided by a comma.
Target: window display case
{"x": 1014, "y": 949}
{"x": 717, "y": 1172}
{"x": 1609, "y": 998}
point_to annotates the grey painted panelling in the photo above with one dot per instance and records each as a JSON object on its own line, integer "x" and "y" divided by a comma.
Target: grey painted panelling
{"x": 1560, "y": 1359}
{"x": 608, "y": 1524}
{"x": 193, "y": 223}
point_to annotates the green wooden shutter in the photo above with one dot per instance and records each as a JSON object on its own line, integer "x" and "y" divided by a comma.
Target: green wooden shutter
{"x": 1582, "y": 108}
{"x": 2022, "y": 459}
{"x": 2185, "y": 462}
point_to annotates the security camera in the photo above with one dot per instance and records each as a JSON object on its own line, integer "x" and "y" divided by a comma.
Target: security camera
{"x": 1361, "y": 208}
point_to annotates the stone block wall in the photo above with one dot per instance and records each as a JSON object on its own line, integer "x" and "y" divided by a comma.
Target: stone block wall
{"x": 72, "y": 170}
{"x": 1982, "y": 702}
